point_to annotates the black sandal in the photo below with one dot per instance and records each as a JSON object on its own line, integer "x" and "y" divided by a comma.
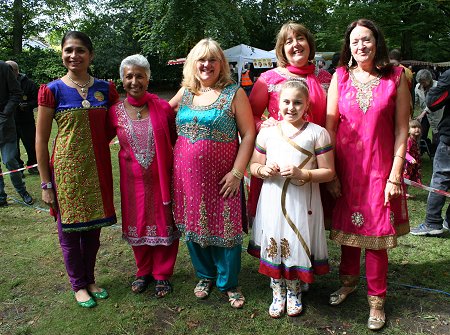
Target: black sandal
{"x": 162, "y": 288}
{"x": 141, "y": 283}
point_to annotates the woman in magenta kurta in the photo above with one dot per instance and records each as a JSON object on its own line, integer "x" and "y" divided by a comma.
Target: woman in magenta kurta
{"x": 295, "y": 49}
{"x": 145, "y": 127}
{"x": 368, "y": 112}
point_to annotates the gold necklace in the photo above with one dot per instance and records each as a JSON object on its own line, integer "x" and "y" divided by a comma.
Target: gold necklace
{"x": 207, "y": 89}
{"x": 138, "y": 110}
{"x": 85, "y": 103}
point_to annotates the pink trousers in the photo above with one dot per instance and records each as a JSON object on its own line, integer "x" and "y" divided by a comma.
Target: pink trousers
{"x": 376, "y": 268}
{"x": 158, "y": 260}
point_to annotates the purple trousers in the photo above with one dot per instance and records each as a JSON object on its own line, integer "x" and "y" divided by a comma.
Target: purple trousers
{"x": 79, "y": 251}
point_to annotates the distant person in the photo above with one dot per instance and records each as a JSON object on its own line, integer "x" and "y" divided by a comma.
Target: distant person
{"x": 76, "y": 180}
{"x": 10, "y": 98}
{"x": 24, "y": 118}
{"x": 395, "y": 58}
{"x": 413, "y": 161}
{"x": 145, "y": 127}
{"x": 334, "y": 62}
{"x": 438, "y": 97}
{"x": 246, "y": 80}
{"x": 427, "y": 119}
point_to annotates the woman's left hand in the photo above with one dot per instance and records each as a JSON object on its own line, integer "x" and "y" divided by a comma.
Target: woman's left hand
{"x": 391, "y": 191}
{"x": 230, "y": 187}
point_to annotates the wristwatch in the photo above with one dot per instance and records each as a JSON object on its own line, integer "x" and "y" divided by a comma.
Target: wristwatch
{"x": 46, "y": 185}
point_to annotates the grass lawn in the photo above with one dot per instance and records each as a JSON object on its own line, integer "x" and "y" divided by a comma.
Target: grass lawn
{"x": 35, "y": 296}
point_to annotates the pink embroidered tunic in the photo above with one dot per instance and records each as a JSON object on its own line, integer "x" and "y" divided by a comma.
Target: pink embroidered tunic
{"x": 364, "y": 156}
{"x": 413, "y": 171}
{"x": 205, "y": 151}
{"x": 146, "y": 219}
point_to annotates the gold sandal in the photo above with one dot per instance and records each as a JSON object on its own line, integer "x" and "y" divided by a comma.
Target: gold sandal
{"x": 236, "y": 298}
{"x": 338, "y": 297}
{"x": 376, "y": 303}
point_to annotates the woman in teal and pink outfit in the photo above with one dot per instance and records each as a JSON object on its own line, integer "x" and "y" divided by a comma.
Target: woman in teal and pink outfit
{"x": 209, "y": 164}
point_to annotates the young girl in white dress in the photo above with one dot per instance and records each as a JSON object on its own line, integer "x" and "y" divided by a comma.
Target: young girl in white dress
{"x": 292, "y": 157}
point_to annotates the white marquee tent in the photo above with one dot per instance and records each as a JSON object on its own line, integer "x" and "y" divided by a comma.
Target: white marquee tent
{"x": 242, "y": 54}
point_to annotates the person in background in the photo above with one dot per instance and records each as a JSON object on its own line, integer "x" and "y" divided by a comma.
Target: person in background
{"x": 246, "y": 80}
{"x": 10, "y": 97}
{"x": 209, "y": 164}
{"x": 292, "y": 159}
{"x": 145, "y": 127}
{"x": 24, "y": 118}
{"x": 367, "y": 118}
{"x": 334, "y": 63}
{"x": 395, "y": 57}
{"x": 413, "y": 161}
{"x": 438, "y": 97}
{"x": 76, "y": 180}
{"x": 427, "y": 119}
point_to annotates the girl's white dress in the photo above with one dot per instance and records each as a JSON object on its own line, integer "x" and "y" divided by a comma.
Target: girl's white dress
{"x": 288, "y": 233}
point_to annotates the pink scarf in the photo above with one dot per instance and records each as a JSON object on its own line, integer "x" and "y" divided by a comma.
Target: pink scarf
{"x": 318, "y": 99}
{"x": 161, "y": 116}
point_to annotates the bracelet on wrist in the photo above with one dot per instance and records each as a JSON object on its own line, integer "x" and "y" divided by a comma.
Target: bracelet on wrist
{"x": 46, "y": 185}
{"x": 238, "y": 174}
{"x": 396, "y": 183}
{"x": 258, "y": 172}
{"x": 399, "y": 157}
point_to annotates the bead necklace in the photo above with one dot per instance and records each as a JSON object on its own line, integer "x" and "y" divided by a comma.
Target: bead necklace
{"x": 207, "y": 89}
{"x": 85, "y": 103}
{"x": 138, "y": 110}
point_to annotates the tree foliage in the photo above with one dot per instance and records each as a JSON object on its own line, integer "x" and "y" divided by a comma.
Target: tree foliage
{"x": 165, "y": 29}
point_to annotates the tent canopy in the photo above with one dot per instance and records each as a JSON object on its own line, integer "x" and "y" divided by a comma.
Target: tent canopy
{"x": 242, "y": 54}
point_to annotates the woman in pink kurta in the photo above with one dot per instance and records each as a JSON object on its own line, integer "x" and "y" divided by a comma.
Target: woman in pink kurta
{"x": 145, "y": 127}
{"x": 368, "y": 112}
{"x": 295, "y": 49}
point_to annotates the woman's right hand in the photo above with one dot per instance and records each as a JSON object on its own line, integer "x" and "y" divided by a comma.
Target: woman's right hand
{"x": 334, "y": 187}
{"x": 48, "y": 196}
{"x": 270, "y": 122}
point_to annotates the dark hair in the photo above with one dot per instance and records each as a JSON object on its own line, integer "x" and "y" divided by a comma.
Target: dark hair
{"x": 381, "y": 60}
{"x": 395, "y": 54}
{"x": 78, "y": 35}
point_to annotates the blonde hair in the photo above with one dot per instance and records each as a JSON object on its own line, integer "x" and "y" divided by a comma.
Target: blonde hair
{"x": 297, "y": 29}
{"x": 413, "y": 123}
{"x": 206, "y": 48}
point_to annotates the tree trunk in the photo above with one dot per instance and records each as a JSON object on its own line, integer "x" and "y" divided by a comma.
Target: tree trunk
{"x": 17, "y": 26}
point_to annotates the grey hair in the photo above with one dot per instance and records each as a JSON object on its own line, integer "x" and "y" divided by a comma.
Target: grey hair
{"x": 424, "y": 74}
{"x": 135, "y": 60}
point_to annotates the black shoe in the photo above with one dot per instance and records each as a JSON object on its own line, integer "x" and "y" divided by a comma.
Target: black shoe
{"x": 26, "y": 197}
{"x": 33, "y": 170}
{"x": 3, "y": 203}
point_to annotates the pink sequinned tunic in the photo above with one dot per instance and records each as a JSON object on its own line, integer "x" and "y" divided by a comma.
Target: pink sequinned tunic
{"x": 205, "y": 151}
{"x": 364, "y": 156}
{"x": 146, "y": 220}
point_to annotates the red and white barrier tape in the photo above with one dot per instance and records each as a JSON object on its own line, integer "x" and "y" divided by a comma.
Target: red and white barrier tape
{"x": 21, "y": 169}
{"x": 426, "y": 188}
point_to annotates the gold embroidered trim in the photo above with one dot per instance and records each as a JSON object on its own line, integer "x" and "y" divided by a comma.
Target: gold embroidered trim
{"x": 375, "y": 302}
{"x": 272, "y": 249}
{"x": 367, "y": 242}
{"x": 364, "y": 93}
{"x": 285, "y": 248}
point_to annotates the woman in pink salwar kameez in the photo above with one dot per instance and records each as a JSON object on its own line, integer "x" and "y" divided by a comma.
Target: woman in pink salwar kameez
{"x": 145, "y": 127}
{"x": 368, "y": 112}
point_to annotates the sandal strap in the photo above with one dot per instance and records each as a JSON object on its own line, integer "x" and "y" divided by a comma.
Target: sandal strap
{"x": 203, "y": 285}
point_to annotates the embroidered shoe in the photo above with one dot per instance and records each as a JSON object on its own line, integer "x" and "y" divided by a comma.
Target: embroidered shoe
{"x": 278, "y": 306}
{"x": 103, "y": 294}
{"x": 424, "y": 230}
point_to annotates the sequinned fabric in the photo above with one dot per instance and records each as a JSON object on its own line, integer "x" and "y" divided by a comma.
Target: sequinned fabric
{"x": 205, "y": 151}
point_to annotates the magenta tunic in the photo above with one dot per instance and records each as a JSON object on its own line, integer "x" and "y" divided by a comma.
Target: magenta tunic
{"x": 364, "y": 156}
{"x": 146, "y": 219}
{"x": 413, "y": 171}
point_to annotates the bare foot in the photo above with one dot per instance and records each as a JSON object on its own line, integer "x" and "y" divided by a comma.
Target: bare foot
{"x": 94, "y": 288}
{"x": 82, "y": 295}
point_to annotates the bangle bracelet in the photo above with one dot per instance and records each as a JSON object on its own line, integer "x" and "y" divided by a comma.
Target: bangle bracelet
{"x": 309, "y": 175}
{"x": 238, "y": 174}
{"x": 396, "y": 183}
{"x": 399, "y": 157}
{"x": 46, "y": 185}
{"x": 258, "y": 172}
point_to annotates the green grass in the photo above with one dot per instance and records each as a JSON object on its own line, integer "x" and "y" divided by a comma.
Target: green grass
{"x": 35, "y": 295}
